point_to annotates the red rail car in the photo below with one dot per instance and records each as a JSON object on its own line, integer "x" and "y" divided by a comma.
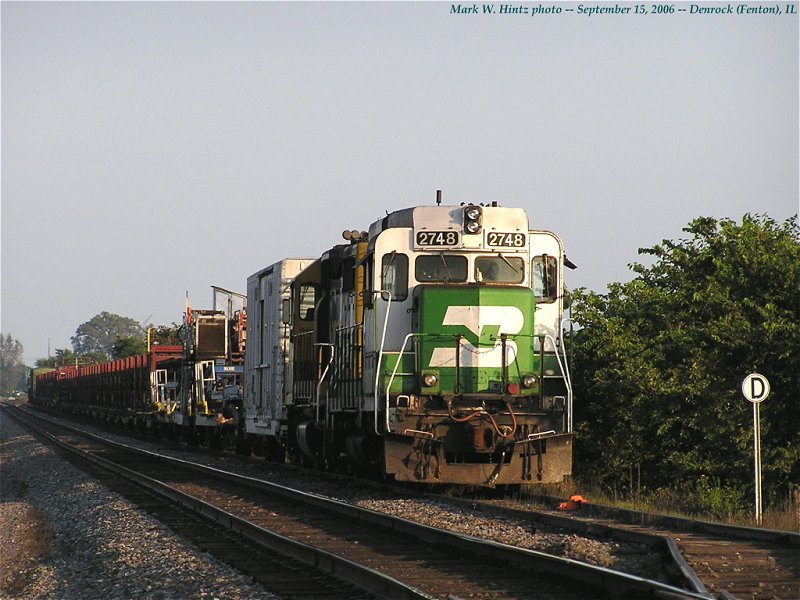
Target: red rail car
{"x": 122, "y": 389}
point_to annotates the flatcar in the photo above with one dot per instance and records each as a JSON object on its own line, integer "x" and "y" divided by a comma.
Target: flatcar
{"x": 427, "y": 349}
{"x": 192, "y": 391}
{"x": 116, "y": 391}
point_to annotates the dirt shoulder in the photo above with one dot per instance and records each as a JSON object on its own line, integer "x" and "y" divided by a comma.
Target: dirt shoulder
{"x": 25, "y": 538}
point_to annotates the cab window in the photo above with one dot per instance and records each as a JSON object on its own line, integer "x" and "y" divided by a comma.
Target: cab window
{"x": 307, "y": 302}
{"x": 441, "y": 268}
{"x": 394, "y": 275}
{"x": 499, "y": 269}
{"x": 545, "y": 278}
{"x": 367, "y": 265}
{"x": 349, "y": 275}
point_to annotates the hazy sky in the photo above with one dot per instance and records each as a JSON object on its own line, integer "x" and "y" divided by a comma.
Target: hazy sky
{"x": 153, "y": 148}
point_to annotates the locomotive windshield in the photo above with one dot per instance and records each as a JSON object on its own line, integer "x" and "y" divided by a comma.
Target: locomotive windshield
{"x": 499, "y": 269}
{"x": 442, "y": 267}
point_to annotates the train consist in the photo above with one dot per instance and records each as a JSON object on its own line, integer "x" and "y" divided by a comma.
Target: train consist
{"x": 428, "y": 349}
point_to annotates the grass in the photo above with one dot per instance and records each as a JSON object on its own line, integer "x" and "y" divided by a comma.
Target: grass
{"x": 707, "y": 502}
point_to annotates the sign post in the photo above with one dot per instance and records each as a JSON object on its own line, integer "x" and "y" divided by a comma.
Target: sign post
{"x": 755, "y": 388}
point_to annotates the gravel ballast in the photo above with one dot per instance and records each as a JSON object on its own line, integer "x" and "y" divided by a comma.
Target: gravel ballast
{"x": 489, "y": 524}
{"x": 65, "y": 536}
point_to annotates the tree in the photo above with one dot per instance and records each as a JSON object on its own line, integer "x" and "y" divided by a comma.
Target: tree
{"x": 12, "y": 369}
{"x": 166, "y": 335}
{"x": 62, "y": 356}
{"x": 45, "y": 362}
{"x": 163, "y": 335}
{"x": 66, "y": 357}
{"x": 126, "y": 345}
{"x": 659, "y": 361}
{"x": 100, "y": 332}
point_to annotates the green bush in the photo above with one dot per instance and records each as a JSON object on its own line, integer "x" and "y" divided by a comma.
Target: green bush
{"x": 708, "y": 497}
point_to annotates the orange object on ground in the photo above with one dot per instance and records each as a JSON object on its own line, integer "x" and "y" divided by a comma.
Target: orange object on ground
{"x": 574, "y": 503}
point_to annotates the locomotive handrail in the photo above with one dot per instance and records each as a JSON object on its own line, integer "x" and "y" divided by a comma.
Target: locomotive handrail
{"x": 391, "y": 379}
{"x": 503, "y": 337}
{"x": 541, "y": 434}
{"x": 380, "y": 358}
{"x": 417, "y": 431}
{"x": 567, "y": 375}
{"x": 324, "y": 374}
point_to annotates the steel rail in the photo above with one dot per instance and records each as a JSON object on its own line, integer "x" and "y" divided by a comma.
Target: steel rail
{"x": 671, "y": 530}
{"x": 365, "y": 578}
{"x": 666, "y": 545}
{"x": 608, "y": 581}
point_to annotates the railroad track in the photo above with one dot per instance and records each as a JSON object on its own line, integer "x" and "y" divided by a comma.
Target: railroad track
{"x": 284, "y": 575}
{"x": 731, "y": 561}
{"x": 380, "y": 555}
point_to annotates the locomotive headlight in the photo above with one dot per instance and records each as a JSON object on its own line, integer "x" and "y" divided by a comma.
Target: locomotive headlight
{"x": 430, "y": 379}
{"x": 529, "y": 381}
{"x": 472, "y": 219}
{"x": 472, "y": 227}
{"x": 472, "y": 213}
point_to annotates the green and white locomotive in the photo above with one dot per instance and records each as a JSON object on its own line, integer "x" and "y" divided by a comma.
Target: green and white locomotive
{"x": 428, "y": 349}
